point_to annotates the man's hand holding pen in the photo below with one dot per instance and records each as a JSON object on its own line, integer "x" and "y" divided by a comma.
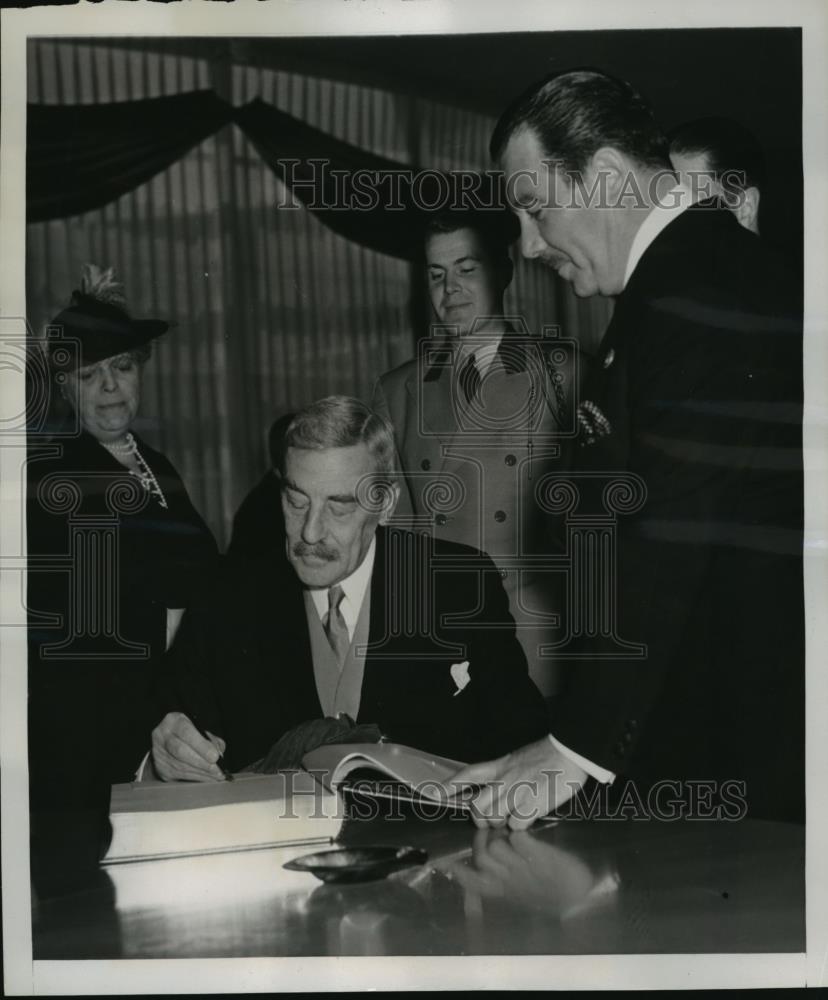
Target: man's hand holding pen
{"x": 181, "y": 751}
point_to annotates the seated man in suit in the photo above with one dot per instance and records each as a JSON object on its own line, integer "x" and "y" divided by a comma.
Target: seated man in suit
{"x": 390, "y": 627}
{"x": 480, "y": 416}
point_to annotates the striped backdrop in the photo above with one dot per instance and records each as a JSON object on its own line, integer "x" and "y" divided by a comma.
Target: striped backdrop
{"x": 273, "y": 309}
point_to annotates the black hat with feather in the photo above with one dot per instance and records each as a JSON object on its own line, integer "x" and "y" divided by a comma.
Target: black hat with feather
{"x": 97, "y": 318}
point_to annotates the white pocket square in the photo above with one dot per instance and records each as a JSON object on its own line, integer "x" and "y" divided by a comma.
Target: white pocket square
{"x": 460, "y": 675}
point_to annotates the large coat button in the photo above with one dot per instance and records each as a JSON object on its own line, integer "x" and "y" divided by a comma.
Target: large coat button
{"x": 440, "y": 519}
{"x": 500, "y": 516}
{"x": 425, "y": 465}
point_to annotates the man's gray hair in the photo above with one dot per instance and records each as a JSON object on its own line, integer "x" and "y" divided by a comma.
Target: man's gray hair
{"x": 342, "y": 422}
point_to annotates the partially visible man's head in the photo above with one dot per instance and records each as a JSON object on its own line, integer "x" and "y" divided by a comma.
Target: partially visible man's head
{"x": 276, "y": 440}
{"x": 580, "y": 151}
{"x": 337, "y": 487}
{"x": 719, "y": 157}
{"x": 575, "y": 113}
{"x": 468, "y": 268}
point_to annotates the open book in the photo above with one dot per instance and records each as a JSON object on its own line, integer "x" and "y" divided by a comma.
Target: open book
{"x": 389, "y": 770}
{"x": 173, "y": 819}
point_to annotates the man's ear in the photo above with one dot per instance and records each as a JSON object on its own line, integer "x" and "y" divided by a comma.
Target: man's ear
{"x": 605, "y": 173}
{"x": 390, "y": 504}
{"x": 747, "y": 211}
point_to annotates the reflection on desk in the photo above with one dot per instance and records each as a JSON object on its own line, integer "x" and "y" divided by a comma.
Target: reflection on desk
{"x": 575, "y": 887}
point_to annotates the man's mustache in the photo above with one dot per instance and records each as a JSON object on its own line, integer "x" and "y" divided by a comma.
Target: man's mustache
{"x": 302, "y": 549}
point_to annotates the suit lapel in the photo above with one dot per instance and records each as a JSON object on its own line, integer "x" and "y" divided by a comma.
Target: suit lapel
{"x": 607, "y": 389}
{"x": 517, "y": 359}
{"x": 372, "y": 688}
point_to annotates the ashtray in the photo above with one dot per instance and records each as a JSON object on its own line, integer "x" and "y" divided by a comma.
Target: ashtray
{"x": 357, "y": 864}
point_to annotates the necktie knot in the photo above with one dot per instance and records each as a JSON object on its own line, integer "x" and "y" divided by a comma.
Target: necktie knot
{"x": 335, "y": 595}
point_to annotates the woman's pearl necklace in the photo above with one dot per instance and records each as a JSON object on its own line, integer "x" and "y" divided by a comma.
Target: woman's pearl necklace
{"x": 144, "y": 475}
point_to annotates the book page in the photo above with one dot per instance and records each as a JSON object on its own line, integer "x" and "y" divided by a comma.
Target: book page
{"x": 181, "y": 795}
{"x": 425, "y": 773}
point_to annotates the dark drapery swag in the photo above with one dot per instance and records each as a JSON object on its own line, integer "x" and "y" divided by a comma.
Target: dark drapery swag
{"x": 81, "y": 157}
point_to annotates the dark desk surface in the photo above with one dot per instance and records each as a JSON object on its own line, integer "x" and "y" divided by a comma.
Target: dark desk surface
{"x": 577, "y": 887}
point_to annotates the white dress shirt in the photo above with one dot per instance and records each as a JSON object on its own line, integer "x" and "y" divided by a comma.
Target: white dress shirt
{"x": 354, "y": 588}
{"x": 677, "y": 200}
{"x": 484, "y": 353}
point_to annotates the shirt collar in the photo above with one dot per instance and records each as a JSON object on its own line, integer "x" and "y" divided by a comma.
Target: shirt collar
{"x": 511, "y": 360}
{"x": 485, "y": 354}
{"x": 354, "y": 588}
{"x": 676, "y": 201}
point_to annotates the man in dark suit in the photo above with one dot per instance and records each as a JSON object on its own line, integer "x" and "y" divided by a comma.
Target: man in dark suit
{"x": 696, "y": 400}
{"x": 389, "y": 627}
{"x": 480, "y": 415}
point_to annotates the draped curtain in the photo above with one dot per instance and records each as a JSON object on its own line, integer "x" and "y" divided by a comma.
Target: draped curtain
{"x": 98, "y": 152}
{"x": 276, "y": 305}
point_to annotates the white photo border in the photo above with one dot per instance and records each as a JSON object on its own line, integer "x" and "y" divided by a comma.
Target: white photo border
{"x": 386, "y": 17}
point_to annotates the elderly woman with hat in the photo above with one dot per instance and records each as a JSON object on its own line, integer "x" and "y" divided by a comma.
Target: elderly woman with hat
{"x": 116, "y": 550}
